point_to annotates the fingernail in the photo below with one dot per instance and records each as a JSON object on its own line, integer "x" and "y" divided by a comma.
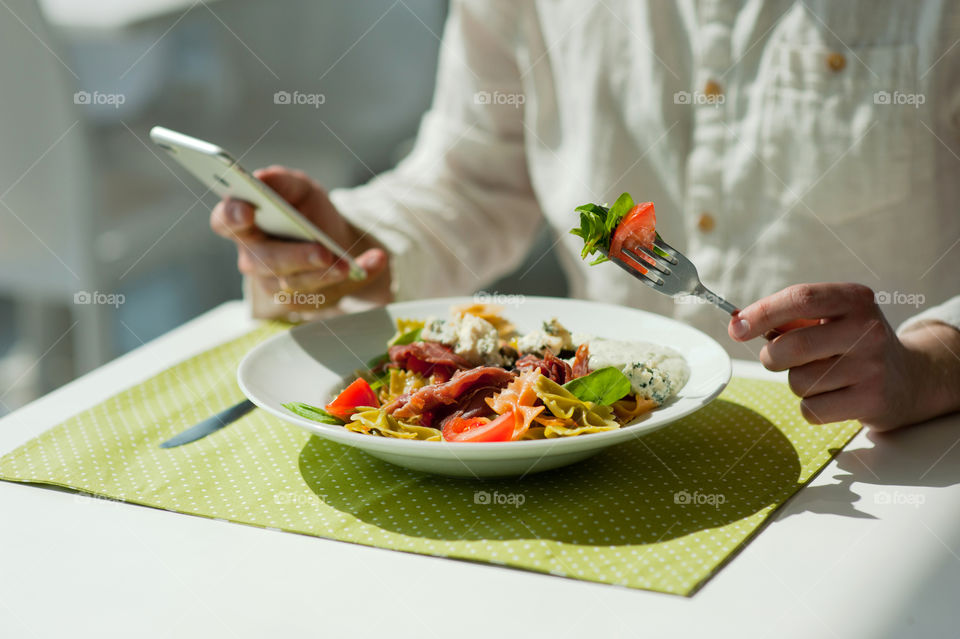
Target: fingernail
{"x": 371, "y": 260}
{"x": 367, "y": 262}
{"x": 235, "y": 211}
{"x": 740, "y": 327}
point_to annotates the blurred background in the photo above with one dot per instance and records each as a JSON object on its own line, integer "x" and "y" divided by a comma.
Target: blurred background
{"x": 104, "y": 242}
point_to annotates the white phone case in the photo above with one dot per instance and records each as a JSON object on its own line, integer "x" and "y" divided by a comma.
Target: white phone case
{"x": 219, "y": 172}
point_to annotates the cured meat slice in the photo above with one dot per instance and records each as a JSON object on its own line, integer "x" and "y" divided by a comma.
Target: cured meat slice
{"x": 581, "y": 361}
{"x": 427, "y": 358}
{"x": 550, "y": 366}
{"x": 447, "y": 393}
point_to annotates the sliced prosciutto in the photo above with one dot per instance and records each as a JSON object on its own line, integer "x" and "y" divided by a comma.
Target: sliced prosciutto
{"x": 549, "y": 365}
{"x": 428, "y": 359}
{"x": 581, "y": 361}
{"x": 432, "y": 398}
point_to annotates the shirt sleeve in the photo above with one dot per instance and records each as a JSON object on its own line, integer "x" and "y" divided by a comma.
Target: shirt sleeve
{"x": 947, "y": 313}
{"x": 459, "y": 211}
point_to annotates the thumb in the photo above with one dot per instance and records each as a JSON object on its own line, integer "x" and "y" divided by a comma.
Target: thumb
{"x": 373, "y": 261}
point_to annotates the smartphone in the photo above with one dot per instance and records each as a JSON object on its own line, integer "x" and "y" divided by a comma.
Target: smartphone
{"x": 220, "y": 173}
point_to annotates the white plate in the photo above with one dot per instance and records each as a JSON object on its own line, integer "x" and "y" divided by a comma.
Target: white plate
{"x": 309, "y": 364}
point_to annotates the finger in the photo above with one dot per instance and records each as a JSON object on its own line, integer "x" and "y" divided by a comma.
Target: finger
{"x": 373, "y": 262}
{"x": 804, "y": 345}
{"x": 277, "y": 258}
{"x": 825, "y": 375}
{"x": 835, "y": 406}
{"x": 798, "y": 302}
{"x": 311, "y": 281}
{"x": 292, "y": 185}
{"x": 230, "y": 218}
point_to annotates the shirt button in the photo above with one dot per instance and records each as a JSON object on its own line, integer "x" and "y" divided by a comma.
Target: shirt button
{"x": 712, "y": 89}
{"x": 706, "y": 222}
{"x": 836, "y": 61}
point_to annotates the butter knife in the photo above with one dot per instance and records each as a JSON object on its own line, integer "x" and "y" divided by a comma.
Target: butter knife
{"x": 210, "y": 425}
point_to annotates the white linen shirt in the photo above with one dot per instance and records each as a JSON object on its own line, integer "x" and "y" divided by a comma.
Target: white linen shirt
{"x": 780, "y": 141}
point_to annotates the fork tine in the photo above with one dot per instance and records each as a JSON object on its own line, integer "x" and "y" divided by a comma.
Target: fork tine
{"x": 647, "y": 274}
{"x": 654, "y": 260}
{"x": 671, "y": 253}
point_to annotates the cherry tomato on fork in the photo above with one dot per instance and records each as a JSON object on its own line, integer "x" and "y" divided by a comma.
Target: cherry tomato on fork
{"x": 638, "y": 227}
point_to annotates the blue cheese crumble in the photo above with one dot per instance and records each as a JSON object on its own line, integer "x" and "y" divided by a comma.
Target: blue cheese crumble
{"x": 473, "y": 338}
{"x": 552, "y": 335}
{"x": 655, "y": 372}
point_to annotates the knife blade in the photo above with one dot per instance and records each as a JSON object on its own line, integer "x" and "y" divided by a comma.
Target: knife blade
{"x": 210, "y": 425}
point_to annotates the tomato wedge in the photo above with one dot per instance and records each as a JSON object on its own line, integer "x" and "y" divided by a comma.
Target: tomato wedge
{"x": 479, "y": 429}
{"x": 350, "y": 398}
{"x": 637, "y": 228}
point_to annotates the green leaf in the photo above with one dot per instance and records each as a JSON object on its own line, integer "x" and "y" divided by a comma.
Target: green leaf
{"x": 313, "y": 413}
{"x": 597, "y": 224}
{"x": 376, "y": 381}
{"x": 379, "y": 360}
{"x": 407, "y": 338}
{"x": 617, "y": 212}
{"x": 603, "y": 386}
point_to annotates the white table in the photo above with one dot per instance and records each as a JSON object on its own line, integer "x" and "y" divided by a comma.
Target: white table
{"x": 837, "y": 561}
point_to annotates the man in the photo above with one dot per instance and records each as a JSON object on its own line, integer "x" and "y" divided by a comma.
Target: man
{"x": 781, "y": 141}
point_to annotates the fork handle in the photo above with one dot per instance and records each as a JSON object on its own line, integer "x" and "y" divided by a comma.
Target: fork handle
{"x": 706, "y": 294}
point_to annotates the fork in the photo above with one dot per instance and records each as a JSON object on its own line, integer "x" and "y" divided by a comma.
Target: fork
{"x": 668, "y": 271}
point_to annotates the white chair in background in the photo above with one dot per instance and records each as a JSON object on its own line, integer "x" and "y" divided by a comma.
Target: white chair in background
{"x": 65, "y": 249}
{"x": 46, "y": 199}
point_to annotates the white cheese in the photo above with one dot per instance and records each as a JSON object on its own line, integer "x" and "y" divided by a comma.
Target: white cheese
{"x": 552, "y": 335}
{"x": 440, "y": 330}
{"x": 473, "y": 338}
{"x": 655, "y": 372}
{"x": 478, "y": 341}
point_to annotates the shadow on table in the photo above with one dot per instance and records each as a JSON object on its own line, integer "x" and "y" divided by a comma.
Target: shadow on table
{"x": 923, "y": 455}
{"x": 668, "y": 484}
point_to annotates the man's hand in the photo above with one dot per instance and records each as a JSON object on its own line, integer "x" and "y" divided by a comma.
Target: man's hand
{"x": 845, "y": 360}
{"x": 299, "y": 271}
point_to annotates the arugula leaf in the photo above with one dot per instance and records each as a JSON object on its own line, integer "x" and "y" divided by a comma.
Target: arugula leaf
{"x": 373, "y": 362}
{"x": 603, "y": 386}
{"x": 597, "y": 224}
{"x": 406, "y": 338}
{"x": 376, "y": 381}
{"x": 313, "y": 413}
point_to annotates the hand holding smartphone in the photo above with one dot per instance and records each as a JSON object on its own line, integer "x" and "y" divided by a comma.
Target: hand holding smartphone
{"x": 219, "y": 172}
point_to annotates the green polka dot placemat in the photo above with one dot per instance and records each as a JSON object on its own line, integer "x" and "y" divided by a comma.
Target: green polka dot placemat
{"x": 663, "y": 512}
